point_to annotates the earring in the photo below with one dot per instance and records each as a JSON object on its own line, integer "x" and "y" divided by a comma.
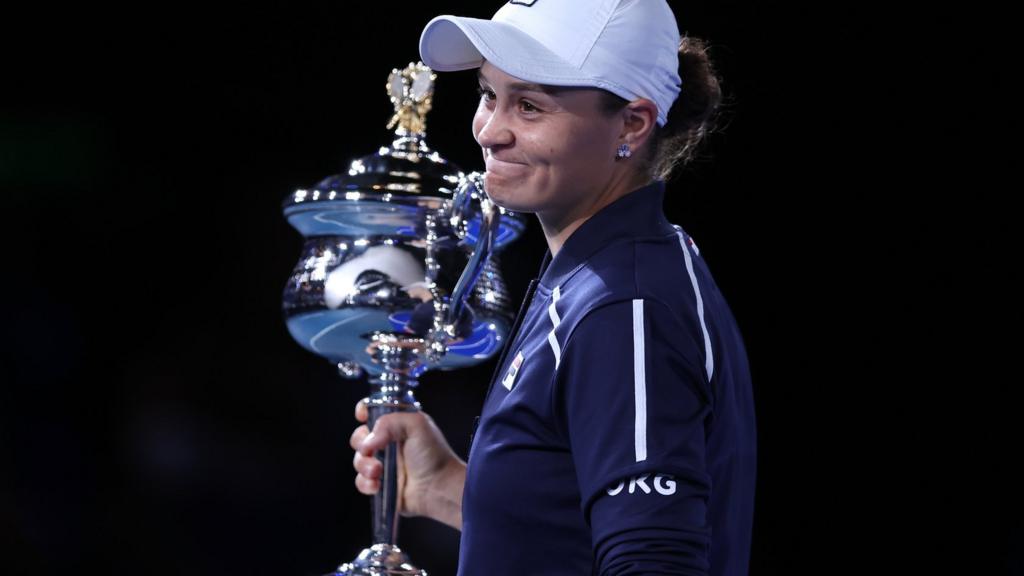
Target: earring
{"x": 623, "y": 151}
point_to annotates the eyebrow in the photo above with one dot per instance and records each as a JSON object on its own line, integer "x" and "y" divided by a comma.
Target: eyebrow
{"x": 528, "y": 86}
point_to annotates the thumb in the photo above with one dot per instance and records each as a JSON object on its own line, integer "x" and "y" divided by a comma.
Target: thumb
{"x": 388, "y": 428}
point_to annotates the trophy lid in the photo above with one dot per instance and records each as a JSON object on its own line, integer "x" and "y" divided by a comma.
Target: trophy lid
{"x": 383, "y": 193}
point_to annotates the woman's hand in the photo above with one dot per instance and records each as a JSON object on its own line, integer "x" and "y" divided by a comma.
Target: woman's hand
{"x": 430, "y": 474}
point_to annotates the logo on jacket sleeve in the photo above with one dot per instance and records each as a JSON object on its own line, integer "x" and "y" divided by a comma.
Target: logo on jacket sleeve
{"x": 510, "y": 376}
{"x": 664, "y": 484}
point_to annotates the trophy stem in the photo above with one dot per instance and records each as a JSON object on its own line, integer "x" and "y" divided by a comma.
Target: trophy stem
{"x": 392, "y": 391}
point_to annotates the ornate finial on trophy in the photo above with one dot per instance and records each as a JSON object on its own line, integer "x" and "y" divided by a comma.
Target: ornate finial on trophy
{"x": 411, "y": 91}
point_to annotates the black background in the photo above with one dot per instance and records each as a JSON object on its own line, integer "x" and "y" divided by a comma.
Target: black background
{"x": 157, "y": 417}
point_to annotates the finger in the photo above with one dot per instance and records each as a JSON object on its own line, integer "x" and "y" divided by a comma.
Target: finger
{"x": 357, "y": 436}
{"x": 372, "y": 468}
{"x": 367, "y": 486}
{"x": 361, "y": 412}
{"x": 388, "y": 428}
{"x": 368, "y": 467}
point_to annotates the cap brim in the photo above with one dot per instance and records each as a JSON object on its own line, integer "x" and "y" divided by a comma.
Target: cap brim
{"x": 451, "y": 43}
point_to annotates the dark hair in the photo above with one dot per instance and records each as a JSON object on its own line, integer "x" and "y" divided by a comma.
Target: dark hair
{"x": 693, "y": 115}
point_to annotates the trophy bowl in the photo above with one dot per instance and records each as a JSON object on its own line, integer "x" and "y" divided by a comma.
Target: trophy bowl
{"x": 398, "y": 276}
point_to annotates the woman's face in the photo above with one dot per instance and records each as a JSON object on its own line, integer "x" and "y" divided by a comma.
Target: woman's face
{"x": 546, "y": 148}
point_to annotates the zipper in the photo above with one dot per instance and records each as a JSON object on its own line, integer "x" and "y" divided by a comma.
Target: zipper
{"x": 514, "y": 333}
{"x": 514, "y": 336}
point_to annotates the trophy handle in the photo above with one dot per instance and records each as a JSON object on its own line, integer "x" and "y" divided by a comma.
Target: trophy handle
{"x": 447, "y": 319}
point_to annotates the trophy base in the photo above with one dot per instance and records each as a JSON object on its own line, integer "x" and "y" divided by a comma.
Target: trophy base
{"x": 379, "y": 560}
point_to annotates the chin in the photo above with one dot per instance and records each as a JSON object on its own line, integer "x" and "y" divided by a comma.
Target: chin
{"x": 502, "y": 193}
{"x": 515, "y": 207}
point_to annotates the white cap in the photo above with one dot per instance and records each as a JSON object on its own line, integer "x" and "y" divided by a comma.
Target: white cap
{"x": 628, "y": 47}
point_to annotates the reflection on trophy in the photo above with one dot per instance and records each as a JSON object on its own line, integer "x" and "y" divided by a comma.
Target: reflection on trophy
{"x": 397, "y": 277}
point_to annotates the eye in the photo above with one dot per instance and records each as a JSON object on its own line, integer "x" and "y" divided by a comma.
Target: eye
{"x": 528, "y": 106}
{"x": 485, "y": 93}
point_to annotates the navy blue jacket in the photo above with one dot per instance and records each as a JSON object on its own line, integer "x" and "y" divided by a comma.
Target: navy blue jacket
{"x": 618, "y": 435}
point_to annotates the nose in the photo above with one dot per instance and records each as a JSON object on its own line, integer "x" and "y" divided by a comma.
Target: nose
{"x": 493, "y": 131}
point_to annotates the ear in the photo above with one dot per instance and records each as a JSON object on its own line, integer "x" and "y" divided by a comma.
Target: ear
{"x": 639, "y": 118}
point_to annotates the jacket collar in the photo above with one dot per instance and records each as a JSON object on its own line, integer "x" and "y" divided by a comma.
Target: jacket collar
{"x": 636, "y": 214}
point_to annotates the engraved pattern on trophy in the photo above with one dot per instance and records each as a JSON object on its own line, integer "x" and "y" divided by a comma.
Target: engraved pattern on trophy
{"x": 398, "y": 276}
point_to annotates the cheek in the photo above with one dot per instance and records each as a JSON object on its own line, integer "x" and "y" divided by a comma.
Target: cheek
{"x": 479, "y": 119}
{"x": 579, "y": 153}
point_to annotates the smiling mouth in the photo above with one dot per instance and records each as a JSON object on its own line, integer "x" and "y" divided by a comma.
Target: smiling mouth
{"x": 503, "y": 167}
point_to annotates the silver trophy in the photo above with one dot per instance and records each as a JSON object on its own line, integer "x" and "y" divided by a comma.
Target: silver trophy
{"x": 397, "y": 277}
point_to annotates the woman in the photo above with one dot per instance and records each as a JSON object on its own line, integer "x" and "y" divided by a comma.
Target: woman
{"x": 618, "y": 434}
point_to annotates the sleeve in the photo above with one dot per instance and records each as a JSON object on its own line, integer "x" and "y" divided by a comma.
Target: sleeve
{"x": 635, "y": 409}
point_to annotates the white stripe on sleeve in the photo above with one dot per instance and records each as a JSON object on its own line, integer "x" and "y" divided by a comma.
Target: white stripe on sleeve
{"x": 553, "y": 313}
{"x": 639, "y": 382}
{"x": 709, "y": 362}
